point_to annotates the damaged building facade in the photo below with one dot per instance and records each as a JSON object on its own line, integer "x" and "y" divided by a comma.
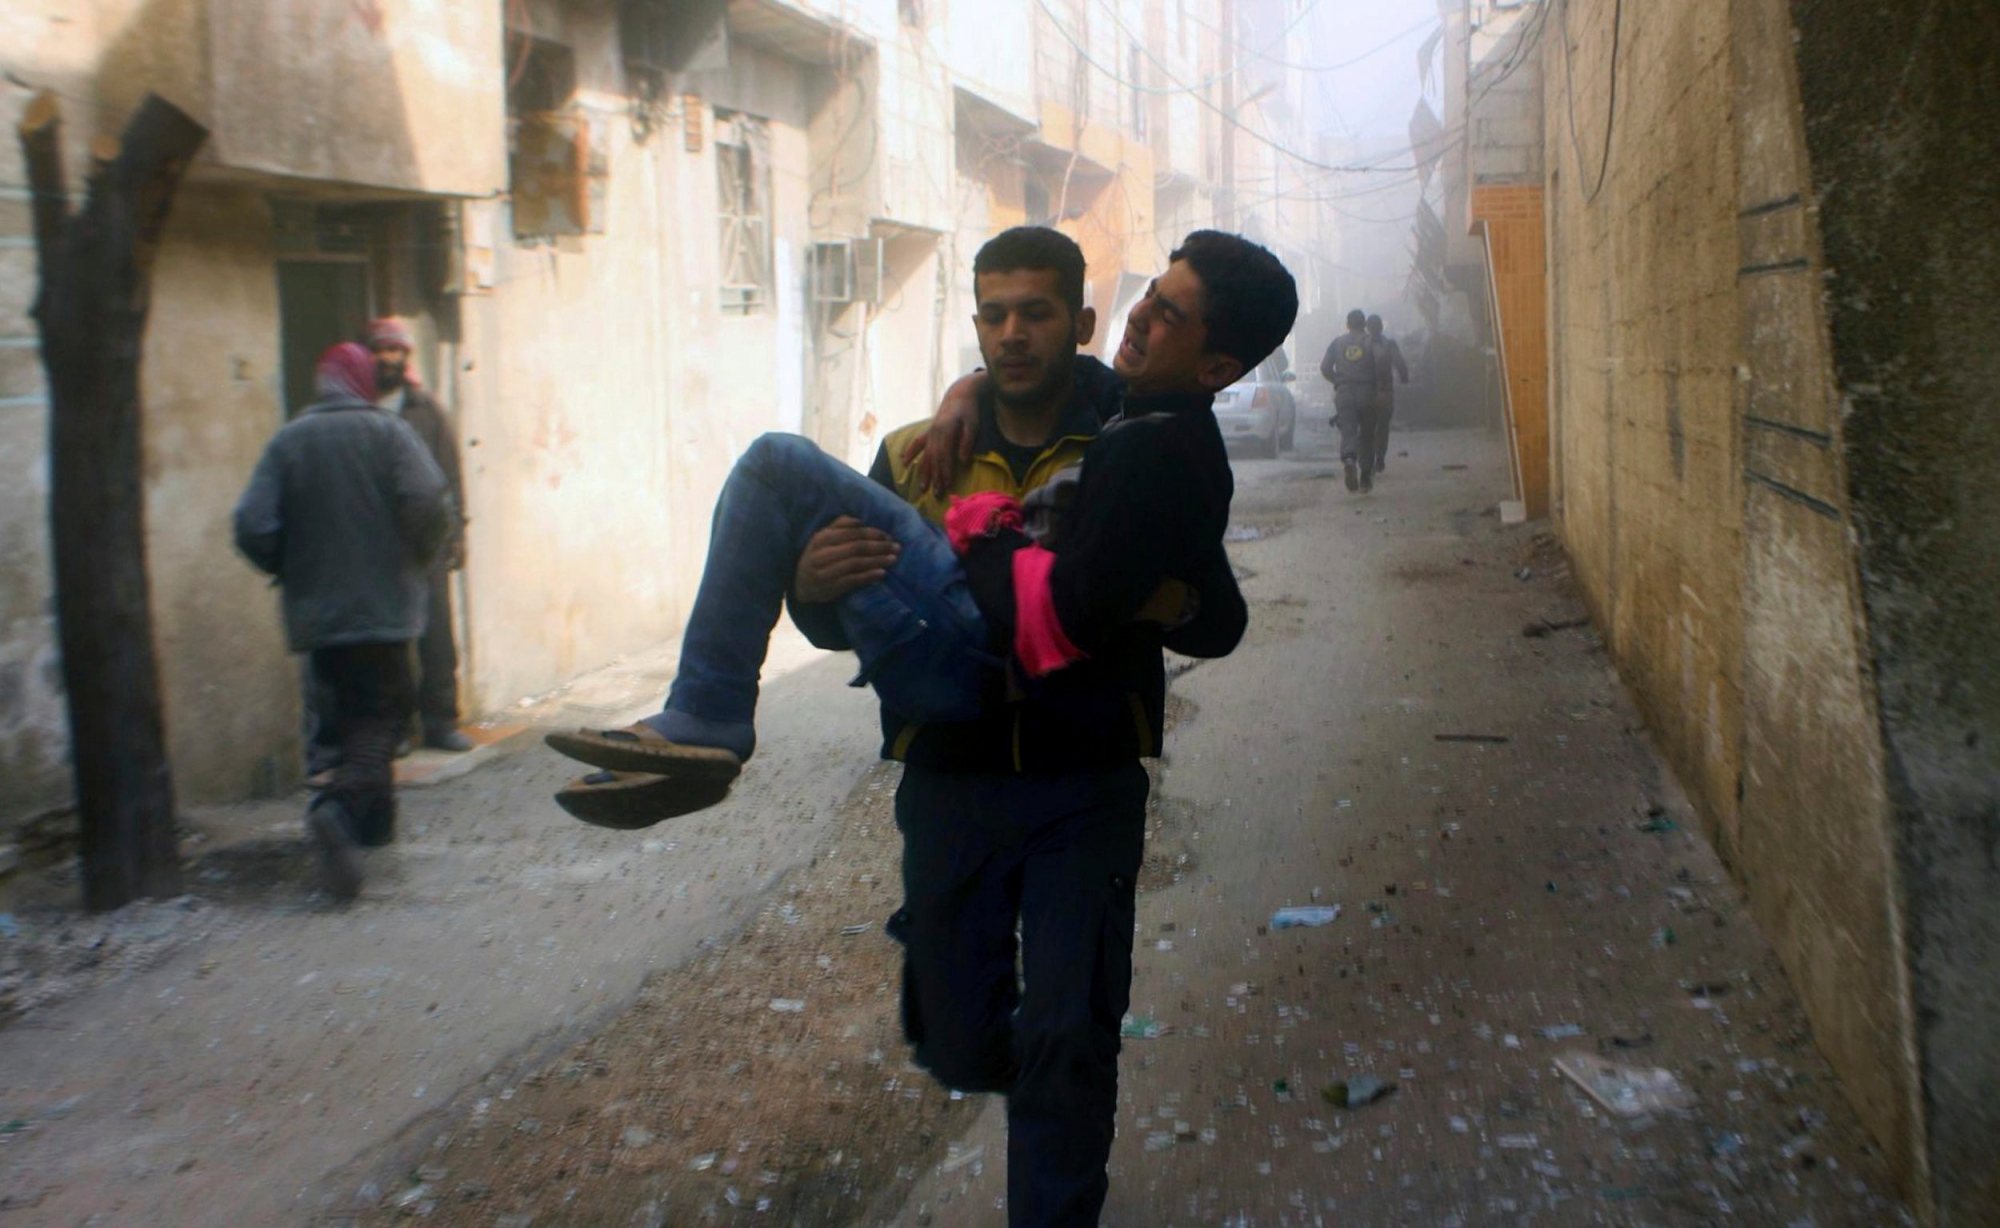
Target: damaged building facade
{"x": 631, "y": 237}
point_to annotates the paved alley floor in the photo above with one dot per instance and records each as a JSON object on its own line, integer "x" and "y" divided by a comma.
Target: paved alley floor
{"x": 528, "y": 1023}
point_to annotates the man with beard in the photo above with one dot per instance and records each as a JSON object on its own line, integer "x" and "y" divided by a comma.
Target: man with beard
{"x": 392, "y": 343}
{"x": 1023, "y": 796}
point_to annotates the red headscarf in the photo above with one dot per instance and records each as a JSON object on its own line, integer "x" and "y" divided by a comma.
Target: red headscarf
{"x": 346, "y": 372}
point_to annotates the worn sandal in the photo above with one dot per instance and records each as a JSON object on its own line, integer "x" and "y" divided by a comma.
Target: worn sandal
{"x": 629, "y": 801}
{"x": 640, "y": 748}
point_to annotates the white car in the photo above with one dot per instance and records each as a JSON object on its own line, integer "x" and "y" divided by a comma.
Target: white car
{"x": 1260, "y": 410}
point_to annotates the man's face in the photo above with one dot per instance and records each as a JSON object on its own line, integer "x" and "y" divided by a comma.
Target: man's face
{"x": 1166, "y": 339}
{"x": 391, "y": 362}
{"x": 1028, "y": 335}
{"x": 1374, "y": 328}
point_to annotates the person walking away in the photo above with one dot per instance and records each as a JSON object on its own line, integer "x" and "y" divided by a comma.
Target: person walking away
{"x": 1391, "y": 363}
{"x": 346, "y": 509}
{"x": 1350, "y": 365}
{"x": 391, "y": 341}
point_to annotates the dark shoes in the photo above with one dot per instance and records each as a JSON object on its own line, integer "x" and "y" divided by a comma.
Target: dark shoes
{"x": 1353, "y": 481}
{"x": 641, "y": 748}
{"x": 629, "y": 801}
{"x": 445, "y": 737}
{"x": 339, "y": 860}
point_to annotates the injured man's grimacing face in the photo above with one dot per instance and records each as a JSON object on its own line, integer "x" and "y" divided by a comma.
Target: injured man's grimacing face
{"x": 1165, "y": 348}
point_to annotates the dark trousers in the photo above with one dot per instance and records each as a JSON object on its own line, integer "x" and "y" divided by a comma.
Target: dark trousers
{"x": 1355, "y": 413}
{"x": 437, "y": 658}
{"x": 367, "y": 688}
{"x": 1385, "y": 413}
{"x": 1060, "y": 853}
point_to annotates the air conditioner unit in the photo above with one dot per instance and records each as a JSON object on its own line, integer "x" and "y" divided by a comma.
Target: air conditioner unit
{"x": 846, "y": 271}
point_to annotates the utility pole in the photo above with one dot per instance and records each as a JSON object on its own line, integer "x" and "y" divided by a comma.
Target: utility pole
{"x": 95, "y": 268}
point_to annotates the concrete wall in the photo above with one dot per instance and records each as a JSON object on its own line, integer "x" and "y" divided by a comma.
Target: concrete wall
{"x": 1776, "y": 499}
{"x": 603, "y": 394}
{"x": 1900, "y": 110}
{"x": 211, "y": 400}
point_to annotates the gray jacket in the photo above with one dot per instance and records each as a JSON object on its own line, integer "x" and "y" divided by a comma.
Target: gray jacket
{"x": 1351, "y": 361}
{"x": 346, "y": 509}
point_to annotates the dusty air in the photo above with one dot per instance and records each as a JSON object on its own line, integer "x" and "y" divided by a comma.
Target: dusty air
{"x": 998, "y": 614}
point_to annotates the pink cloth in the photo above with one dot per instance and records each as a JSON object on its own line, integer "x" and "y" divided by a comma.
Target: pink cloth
{"x": 980, "y": 515}
{"x": 1040, "y": 644}
{"x": 346, "y": 372}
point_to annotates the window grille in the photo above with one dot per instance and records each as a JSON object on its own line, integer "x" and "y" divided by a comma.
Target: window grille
{"x": 743, "y": 212}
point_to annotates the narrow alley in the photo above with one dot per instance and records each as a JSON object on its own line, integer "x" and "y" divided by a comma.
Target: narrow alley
{"x": 532, "y": 1022}
{"x": 1582, "y": 806}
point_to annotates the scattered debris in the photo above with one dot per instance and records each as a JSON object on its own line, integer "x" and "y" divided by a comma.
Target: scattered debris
{"x": 637, "y": 1136}
{"x": 1664, "y": 937}
{"x": 961, "y": 1159}
{"x": 849, "y": 931}
{"x": 1141, "y": 1027}
{"x": 1310, "y": 916}
{"x": 1542, "y": 629}
{"x": 1625, "y": 1090}
{"x": 1355, "y": 1092}
{"x": 1560, "y": 1031}
{"x": 1490, "y": 739}
{"x": 1658, "y": 824}
{"x": 788, "y": 1006}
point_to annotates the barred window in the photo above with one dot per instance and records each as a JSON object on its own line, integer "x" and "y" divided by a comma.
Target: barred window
{"x": 743, "y": 182}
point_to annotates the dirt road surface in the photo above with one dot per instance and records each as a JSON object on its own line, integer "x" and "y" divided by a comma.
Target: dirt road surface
{"x": 528, "y": 1023}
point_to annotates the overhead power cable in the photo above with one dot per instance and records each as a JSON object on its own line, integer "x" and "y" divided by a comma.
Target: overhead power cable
{"x": 1610, "y": 107}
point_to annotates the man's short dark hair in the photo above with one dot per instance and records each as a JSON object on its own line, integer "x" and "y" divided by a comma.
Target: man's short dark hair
{"x": 1355, "y": 319}
{"x": 1252, "y": 299}
{"x": 1035, "y": 248}
{"x": 1374, "y": 321}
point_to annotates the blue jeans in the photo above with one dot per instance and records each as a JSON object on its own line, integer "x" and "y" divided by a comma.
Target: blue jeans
{"x": 920, "y": 637}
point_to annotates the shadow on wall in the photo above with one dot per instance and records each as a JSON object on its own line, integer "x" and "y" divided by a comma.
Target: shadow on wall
{"x": 1900, "y": 113}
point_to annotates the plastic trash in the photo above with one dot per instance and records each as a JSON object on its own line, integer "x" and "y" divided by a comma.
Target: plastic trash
{"x": 1296, "y": 918}
{"x": 1560, "y": 1031}
{"x": 1625, "y": 1090}
{"x": 1355, "y": 1092}
{"x": 1141, "y": 1027}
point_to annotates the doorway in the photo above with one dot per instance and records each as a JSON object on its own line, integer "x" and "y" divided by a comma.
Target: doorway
{"x": 320, "y": 303}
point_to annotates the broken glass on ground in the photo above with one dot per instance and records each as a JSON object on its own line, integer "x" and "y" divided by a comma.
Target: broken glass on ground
{"x": 1625, "y": 1090}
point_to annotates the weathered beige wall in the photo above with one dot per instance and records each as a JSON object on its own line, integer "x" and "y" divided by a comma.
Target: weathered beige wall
{"x": 293, "y": 92}
{"x": 603, "y": 395}
{"x": 1701, "y": 492}
{"x": 211, "y": 395}
{"x": 1643, "y": 316}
